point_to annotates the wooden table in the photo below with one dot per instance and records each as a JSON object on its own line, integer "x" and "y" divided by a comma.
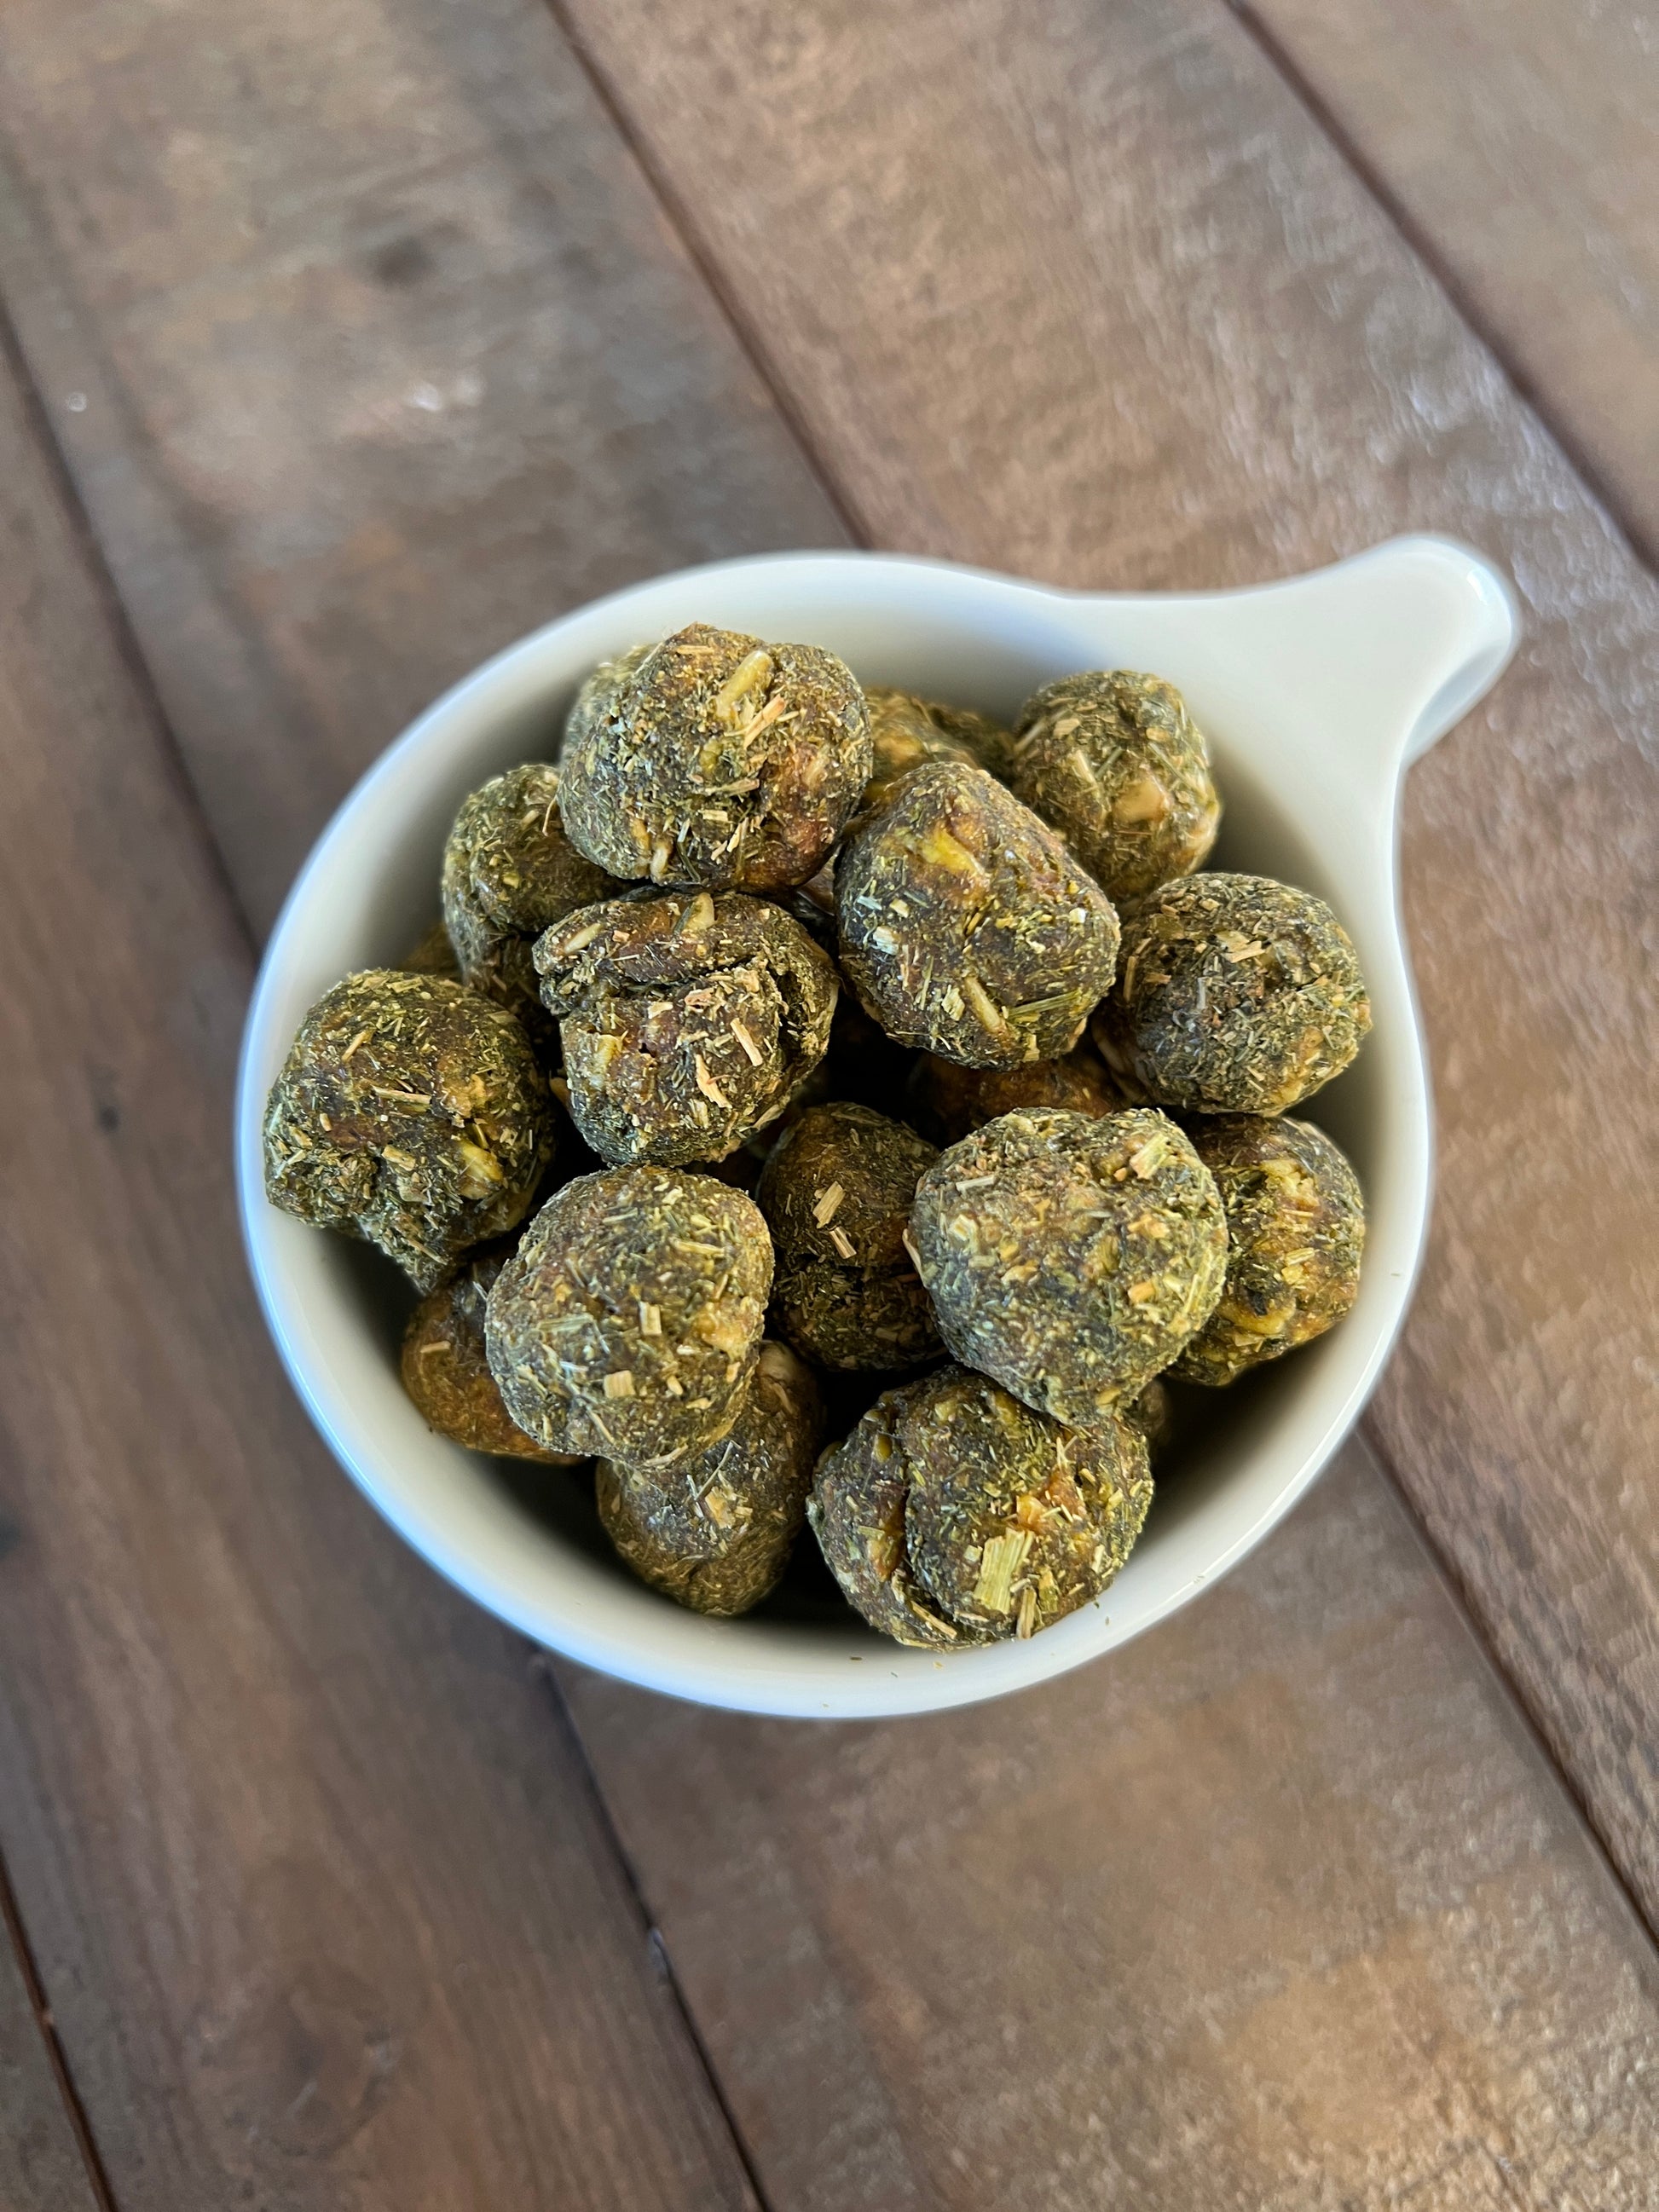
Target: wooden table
{"x": 342, "y": 345}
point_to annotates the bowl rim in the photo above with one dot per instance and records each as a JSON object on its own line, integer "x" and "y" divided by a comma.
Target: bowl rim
{"x": 699, "y": 1660}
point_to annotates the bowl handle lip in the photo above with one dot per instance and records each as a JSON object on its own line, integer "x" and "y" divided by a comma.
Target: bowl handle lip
{"x": 1469, "y": 602}
{"x": 1424, "y": 625}
{"x": 1421, "y": 624}
{"x": 1489, "y": 639}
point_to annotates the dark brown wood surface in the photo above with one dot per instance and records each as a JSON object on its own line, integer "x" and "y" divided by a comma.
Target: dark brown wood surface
{"x": 42, "y": 2166}
{"x": 309, "y": 1865}
{"x": 369, "y": 352}
{"x": 1520, "y": 144}
{"x": 1277, "y": 1909}
{"x": 363, "y": 354}
{"x": 1027, "y": 337}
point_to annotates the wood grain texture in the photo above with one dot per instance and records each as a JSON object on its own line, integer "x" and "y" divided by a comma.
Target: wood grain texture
{"x": 1086, "y": 295}
{"x": 313, "y": 1878}
{"x": 1522, "y": 142}
{"x": 41, "y": 2165}
{"x": 371, "y": 352}
{"x": 1280, "y": 1908}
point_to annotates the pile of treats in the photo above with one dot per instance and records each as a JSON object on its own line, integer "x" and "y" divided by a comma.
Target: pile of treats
{"x": 900, "y": 1049}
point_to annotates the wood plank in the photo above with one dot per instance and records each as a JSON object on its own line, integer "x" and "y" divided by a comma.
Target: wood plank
{"x": 1277, "y": 1907}
{"x": 1097, "y": 302}
{"x": 314, "y": 1882}
{"x": 1521, "y": 143}
{"x": 41, "y": 2165}
{"x": 371, "y": 352}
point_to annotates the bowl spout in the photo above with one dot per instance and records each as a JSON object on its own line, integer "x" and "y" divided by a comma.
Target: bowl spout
{"x": 1400, "y": 641}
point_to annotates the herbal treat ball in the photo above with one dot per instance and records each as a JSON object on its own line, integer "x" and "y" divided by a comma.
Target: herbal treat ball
{"x": 717, "y": 759}
{"x": 905, "y": 731}
{"x": 411, "y": 1112}
{"x": 1113, "y": 761}
{"x": 837, "y": 1194}
{"x": 1236, "y": 994}
{"x": 1069, "y": 1257}
{"x": 953, "y": 1515}
{"x": 715, "y": 1532}
{"x": 966, "y": 927}
{"x": 445, "y": 1373}
{"x": 510, "y": 871}
{"x": 1296, "y": 1228}
{"x": 628, "y": 1321}
{"x": 950, "y": 1101}
{"x": 686, "y": 1020}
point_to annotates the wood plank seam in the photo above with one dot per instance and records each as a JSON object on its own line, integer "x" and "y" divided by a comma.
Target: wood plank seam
{"x": 1419, "y": 244}
{"x": 706, "y": 263}
{"x": 57, "y": 2057}
{"x": 171, "y": 752}
{"x": 1446, "y": 1567}
{"x": 657, "y": 1943}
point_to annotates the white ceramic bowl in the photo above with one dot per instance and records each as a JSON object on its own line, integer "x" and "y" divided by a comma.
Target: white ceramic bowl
{"x": 1315, "y": 693}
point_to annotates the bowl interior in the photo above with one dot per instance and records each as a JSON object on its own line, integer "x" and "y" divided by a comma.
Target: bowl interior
{"x": 525, "y": 1541}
